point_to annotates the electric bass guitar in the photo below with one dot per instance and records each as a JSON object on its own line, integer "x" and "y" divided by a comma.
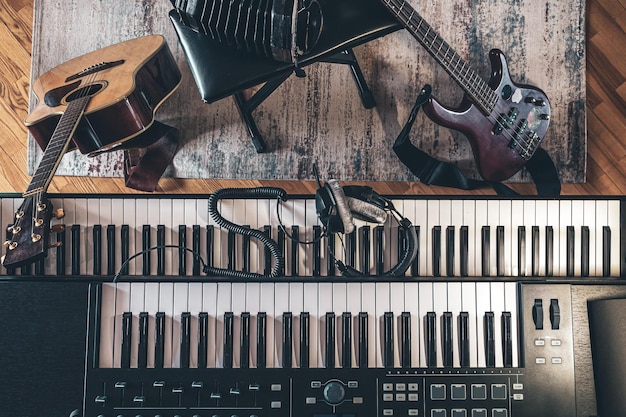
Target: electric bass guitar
{"x": 94, "y": 102}
{"x": 504, "y": 122}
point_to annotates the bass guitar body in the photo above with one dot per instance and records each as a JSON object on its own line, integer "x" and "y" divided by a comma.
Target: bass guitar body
{"x": 127, "y": 83}
{"x": 505, "y": 138}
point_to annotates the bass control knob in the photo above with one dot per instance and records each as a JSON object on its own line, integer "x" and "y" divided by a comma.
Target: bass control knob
{"x": 334, "y": 392}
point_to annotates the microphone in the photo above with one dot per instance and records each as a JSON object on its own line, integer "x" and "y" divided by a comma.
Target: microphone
{"x": 279, "y": 29}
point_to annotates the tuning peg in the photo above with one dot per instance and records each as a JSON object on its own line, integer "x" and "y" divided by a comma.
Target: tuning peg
{"x": 55, "y": 245}
{"x": 57, "y": 228}
{"x": 6, "y": 243}
{"x": 59, "y": 213}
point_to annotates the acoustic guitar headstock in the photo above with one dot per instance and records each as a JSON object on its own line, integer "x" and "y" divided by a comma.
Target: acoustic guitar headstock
{"x": 28, "y": 236}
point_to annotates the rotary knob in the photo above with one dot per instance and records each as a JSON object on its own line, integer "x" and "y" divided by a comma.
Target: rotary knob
{"x": 334, "y": 393}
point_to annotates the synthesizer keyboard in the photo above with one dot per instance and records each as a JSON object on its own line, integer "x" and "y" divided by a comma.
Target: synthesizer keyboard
{"x": 457, "y": 237}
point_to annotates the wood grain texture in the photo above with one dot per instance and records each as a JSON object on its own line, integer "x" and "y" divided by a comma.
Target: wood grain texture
{"x": 606, "y": 124}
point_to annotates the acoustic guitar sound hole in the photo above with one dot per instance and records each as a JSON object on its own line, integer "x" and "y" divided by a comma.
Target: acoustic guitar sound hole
{"x": 89, "y": 90}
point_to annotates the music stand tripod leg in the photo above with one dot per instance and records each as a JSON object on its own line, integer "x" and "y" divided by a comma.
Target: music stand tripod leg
{"x": 347, "y": 57}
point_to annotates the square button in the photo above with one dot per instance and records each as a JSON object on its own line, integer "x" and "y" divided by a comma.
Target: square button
{"x": 479, "y": 412}
{"x": 499, "y": 412}
{"x": 498, "y": 392}
{"x": 458, "y": 392}
{"x": 459, "y": 412}
{"x": 413, "y": 397}
{"x": 400, "y": 387}
{"x": 387, "y": 387}
{"x": 413, "y": 387}
{"x": 437, "y": 392}
{"x": 438, "y": 413}
{"x": 479, "y": 392}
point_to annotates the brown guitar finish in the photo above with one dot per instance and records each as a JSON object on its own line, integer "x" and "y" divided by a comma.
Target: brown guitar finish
{"x": 131, "y": 92}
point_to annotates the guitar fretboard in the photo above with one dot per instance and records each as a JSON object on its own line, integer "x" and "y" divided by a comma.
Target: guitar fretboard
{"x": 478, "y": 90}
{"x": 57, "y": 146}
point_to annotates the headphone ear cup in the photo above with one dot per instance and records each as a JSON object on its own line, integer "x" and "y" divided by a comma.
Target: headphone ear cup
{"x": 365, "y": 204}
{"x": 332, "y": 208}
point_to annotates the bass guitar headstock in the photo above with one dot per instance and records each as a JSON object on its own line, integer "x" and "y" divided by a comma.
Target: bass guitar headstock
{"x": 28, "y": 236}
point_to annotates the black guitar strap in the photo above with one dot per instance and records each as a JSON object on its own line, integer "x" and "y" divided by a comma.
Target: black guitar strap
{"x": 431, "y": 171}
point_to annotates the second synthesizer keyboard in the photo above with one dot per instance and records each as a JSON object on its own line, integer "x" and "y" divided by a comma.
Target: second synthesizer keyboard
{"x": 458, "y": 237}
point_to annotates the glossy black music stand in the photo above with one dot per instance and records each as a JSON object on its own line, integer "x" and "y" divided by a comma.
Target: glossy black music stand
{"x": 221, "y": 71}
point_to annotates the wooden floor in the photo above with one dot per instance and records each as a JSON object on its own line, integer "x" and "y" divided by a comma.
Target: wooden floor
{"x": 606, "y": 94}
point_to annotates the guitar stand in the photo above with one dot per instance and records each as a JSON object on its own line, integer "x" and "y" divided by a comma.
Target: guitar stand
{"x": 247, "y": 105}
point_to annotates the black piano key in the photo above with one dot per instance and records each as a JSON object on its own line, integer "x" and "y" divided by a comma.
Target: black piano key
{"x": 521, "y": 250}
{"x": 507, "y": 340}
{"x": 305, "y": 339}
{"x": 317, "y": 250}
{"x": 75, "y": 255}
{"x": 500, "y": 270}
{"x": 464, "y": 339}
{"x": 203, "y": 339}
{"x": 142, "y": 353}
{"x": 379, "y": 250}
{"x": 363, "y": 345}
{"x": 96, "y": 245}
{"x": 160, "y": 250}
{"x": 330, "y": 255}
{"x": 61, "y": 252}
{"x": 231, "y": 252}
{"x": 405, "y": 343}
{"x": 295, "y": 250}
{"x": 490, "y": 339}
{"x": 415, "y": 265}
{"x": 464, "y": 251}
{"x": 450, "y": 251}
{"x": 127, "y": 331}
{"x": 182, "y": 253}
{"x": 584, "y": 253}
{"x": 431, "y": 339}
{"x": 346, "y": 340}
{"x": 549, "y": 251}
{"x": 159, "y": 340}
{"x": 365, "y": 237}
{"x": 329, "y": 345}
{"x": 388, "y": 340}
{"x": 185, "y": 339}
{"x": 261, "y": 340}
{"x": 351, "y": 245}
{"x": 26, "y": 269}
{"x": 40, "y": 267}
{"x": 485, "y": 234}
{"x": 267, "y": 255}
{"x": 448, "y": 340}
{"x": 281, "y": 245}
{"x": 210, "y": 257}
{"x": 196, "y": 268}
{"x": 145, "y": 245}
{"x": 570, "y": 251}
{"x": 245, "y": 252}
{"x": 287, "y": 340}
{"x": 534, "y": 262}
{"x": 125, "y": 249}
{"x": 436, "y": 250}
{"x": 244, "y": 341}
{"x": 228, "y": 340}
{"x": 606, "y": 251}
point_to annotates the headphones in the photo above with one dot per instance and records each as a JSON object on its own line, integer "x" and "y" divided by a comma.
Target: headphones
{"x": 338, "y": 206}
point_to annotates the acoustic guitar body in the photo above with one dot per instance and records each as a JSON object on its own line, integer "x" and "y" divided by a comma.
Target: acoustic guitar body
{"x": 127, "y": 82}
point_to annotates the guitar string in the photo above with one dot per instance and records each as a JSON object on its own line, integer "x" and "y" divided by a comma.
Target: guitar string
{"x": 520, "y": 143}
{"x": 39, "y": 196}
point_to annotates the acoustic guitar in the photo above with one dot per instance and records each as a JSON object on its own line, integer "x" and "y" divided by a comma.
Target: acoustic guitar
{"x": 95, "y": 103}
{"x": 504, "y": 122}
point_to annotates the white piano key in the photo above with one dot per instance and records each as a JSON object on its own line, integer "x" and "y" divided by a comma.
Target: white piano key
{"x": 397, "y": 307}
{"x": 511, "y": 305}
{"x": 194, "y": 307}
{"x": 129, "y": 217}
{"x": 310, "y": 305}
{"x": 324, "y": 305}
{"x": 265, "y": 217}
{"x": 136, "y": 306}
{"x": 353, "y": 305}
{"x": 141, "y": 219}
{"x": 238, "y": 303}
{"x": 166, "y": 306}
{"x": 256, "y": 247}
{"x": 253, "y": 302}
{"x": 425, "y": 306}
{"x": 614, "y": 221}
{"x": 151, "y": 301}
{"x": 411, "y": 305}
{"x": 382, "y": 306}
{"x": 529, "y": 221}
{"x": 554, "y": 221}
{"x": 469, "y": 305}
{"x": 455, "y": 306}
{"x": 440, "y": 306}
{"x": 445, "y": 220}
{"x": 510, "y": 235}
{"x": 122, "y": 305}
{"x": 190, "y": 219}
{"x": 93, "y": 217}
{"x": 368, "y": 301}
{"x": 339, "y": 307}
{"x": 311, "y": 219}
{"x": 296, "y": 306}
{"x": 498, "y": 307}
{"x": 578, "y": 219}
{"x": 456, "y": 220}
{"x": 473, "y": 252}
{"x": 224, "y": 305}
{"x": 541, "y": 220}
{"x": 483, "y": 305}
{"x": 81, "y": 219}
{"x": 166, "y": 218}
{"x": 433, "y": 220}
{"x": 107, "y": 326}
{"x": 281, "y": 305}
{"x": 482, "y": 219}
{"x": 267, "y": 306}
{"x": 589, "y": 220}
{"x": 517, "y": 220}
{"x": 154, "y": 217}
{"x": 209, "y": 306}
{"x": 181, "y": 296}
